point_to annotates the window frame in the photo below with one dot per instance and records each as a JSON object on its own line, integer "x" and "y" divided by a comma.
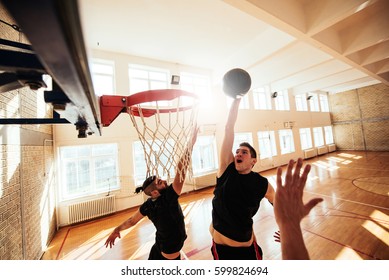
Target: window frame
{"x": 113, "y": 184}
{"x": 267, "y": 144}
{"x": 97, "y": 74}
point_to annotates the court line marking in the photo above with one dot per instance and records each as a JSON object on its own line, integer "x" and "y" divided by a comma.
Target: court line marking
{"x": 347, "y": 200}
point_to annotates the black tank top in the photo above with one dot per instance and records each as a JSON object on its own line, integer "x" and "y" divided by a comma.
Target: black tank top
{"x": 236, "y": 200}
{"x": 166, "y": 214}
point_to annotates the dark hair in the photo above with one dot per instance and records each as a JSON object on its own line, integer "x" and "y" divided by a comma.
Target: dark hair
{"x": 146, "y": 183}
{"x": 252, "y": 150}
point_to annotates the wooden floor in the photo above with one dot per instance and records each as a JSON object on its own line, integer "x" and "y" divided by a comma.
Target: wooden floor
{"x": 351, "y": 223}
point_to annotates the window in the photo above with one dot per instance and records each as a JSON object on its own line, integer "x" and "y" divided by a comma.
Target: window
{"x": 198, "y": 84}
{"x": 241, "y": 137}
{"x": 313, "y": 102}
{"x": 282, "y": 101}
{"x": 88, "y": 170}
{"x": 328, "y": 135}
{"x": 204, "y": 155}
{"x": 140, "y": 165}
{"x": 103, "y": 77}
{"x": 262, "y": 100}
{"x": 318, "y": 136}
{"x": 305, "y": 138}
{"x": 301, "y": 102}
{"x": 286, "y": 141}
{"x": 144, "y": 78}
{"x": 324, "y": 103}
{"x": 244, "y": 103}
{"x": 267, "y": 144}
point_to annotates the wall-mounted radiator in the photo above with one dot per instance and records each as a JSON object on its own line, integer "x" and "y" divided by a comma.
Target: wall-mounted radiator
{"x": 322, "y": 150}
{"x": 87, "y": 210}
{"x": 310, "y": 153}
{"x": 331, "y": 148}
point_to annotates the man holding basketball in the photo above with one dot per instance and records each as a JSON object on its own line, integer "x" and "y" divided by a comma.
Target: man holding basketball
{"x": 237, "y": 196}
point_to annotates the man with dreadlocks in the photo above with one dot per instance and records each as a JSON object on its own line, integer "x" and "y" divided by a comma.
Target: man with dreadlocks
{"x": 163, "y": 209}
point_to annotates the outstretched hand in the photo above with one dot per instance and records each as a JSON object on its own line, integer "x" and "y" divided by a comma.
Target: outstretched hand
{"x": 277, "y": 236}
{"x": 288, "y": 202}
{"x": 111, "y": 239}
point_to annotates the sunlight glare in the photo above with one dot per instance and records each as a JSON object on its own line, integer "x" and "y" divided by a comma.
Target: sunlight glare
{"x": 377, "y": 231}
{"x": 346, "y": 155}
{"x": 348, "y": 254}
{"x": 143, "y": 250}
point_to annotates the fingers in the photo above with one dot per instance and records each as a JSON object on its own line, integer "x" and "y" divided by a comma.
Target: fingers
{"x": 279, "y": 179}
{"x": 296, "y": 174}
{"x": 288, "y": 177}
{"x": 312, "y": 203}
{"x": 277, "y": 236}
{"x": 304, "y": 176}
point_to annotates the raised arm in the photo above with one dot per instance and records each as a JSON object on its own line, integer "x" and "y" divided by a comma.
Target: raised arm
{"x": 226, "y": 155}
{"x": 289, "y": 210}
{"x": 182, "y": 165}
{"x": 270, "y": 193}
{"x": 133, "y": 220}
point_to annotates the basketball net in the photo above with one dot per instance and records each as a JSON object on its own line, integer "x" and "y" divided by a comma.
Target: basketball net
{"x": 165, "y": 130}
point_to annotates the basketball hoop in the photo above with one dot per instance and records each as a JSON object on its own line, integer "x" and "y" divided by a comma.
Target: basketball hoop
{"x": 164, "y": 121}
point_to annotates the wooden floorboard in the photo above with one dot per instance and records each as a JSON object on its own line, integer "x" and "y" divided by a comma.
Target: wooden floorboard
{"x": 351, "y": 223}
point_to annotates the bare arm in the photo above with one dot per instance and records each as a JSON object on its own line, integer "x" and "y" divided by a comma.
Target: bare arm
{"x": 270, "y": 193}
{"x": 226, "y": 156}
{"x": 133, "y": 220}
{"x": 289, "y": 210}
{"x": 182, "y": 165}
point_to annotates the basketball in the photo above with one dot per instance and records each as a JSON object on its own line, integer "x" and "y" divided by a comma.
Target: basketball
{"x": 236, "y": 83}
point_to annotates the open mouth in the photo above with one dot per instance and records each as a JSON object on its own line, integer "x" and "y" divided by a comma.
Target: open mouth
{"x": 239, "y": 161}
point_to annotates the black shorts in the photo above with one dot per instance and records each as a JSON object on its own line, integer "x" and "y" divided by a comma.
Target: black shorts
{"x": 155, "y": 254}
{"x": 224, "y": 252}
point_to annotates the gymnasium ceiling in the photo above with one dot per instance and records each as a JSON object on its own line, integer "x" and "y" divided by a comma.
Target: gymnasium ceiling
{"x": 303, "y": 45}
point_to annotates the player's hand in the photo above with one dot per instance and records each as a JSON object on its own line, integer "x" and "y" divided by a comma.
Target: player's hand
{"x": 111, "y": 239}
{"x": 277, "y": 236}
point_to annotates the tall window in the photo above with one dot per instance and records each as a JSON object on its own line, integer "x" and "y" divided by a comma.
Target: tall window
{"x": 88, "y": 170}
{"x": 140, "y": 167}
{"x": 328, "y": 135}
{"x": 144, "y": 78}
{"x": 103, "y": 77}
{"x": 286, "y": 141}
{"x": 198, "y": 84}
{"x": 241, "y": 137}
{"x": 313, "y": 102}
{"x": 204, "y": 155}
{"x": 282, "y": 101}
{"x": 147, "y": 78}
{"x": 318, "y": 136}
{"x": 305, "y": 138}
{"x": 244, "y": 103}
{"x": 267, "y": 144}
{"x": 324, "y": 103}
{"x": 262, "y": 100}
{"x": 301, "y": 102}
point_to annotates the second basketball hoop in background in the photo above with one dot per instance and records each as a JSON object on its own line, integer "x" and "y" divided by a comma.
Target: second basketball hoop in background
{"x": 236, "y": 83}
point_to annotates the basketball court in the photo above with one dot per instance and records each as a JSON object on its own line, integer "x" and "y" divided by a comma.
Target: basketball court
{"x": 352, "y": 222}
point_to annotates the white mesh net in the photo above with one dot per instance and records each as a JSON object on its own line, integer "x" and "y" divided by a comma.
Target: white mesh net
{"x": 166, "y": 134}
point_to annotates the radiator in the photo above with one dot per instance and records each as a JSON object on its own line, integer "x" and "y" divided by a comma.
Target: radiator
{"x": 309, "y": 153}
{"x": 87, "y": 210}
{"x": 331, "y": 148}
{"x": 204, "y": 181}
{"x": 322, "y": 150}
